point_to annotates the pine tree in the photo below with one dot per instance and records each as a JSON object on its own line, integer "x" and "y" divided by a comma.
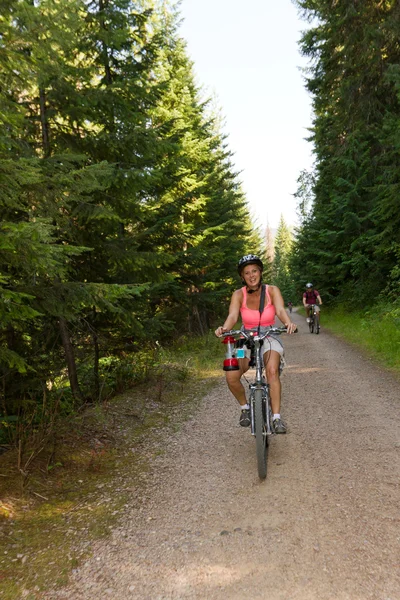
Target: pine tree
{"x": 281, "y": 274}
{"x": 66, "y": 210}
{"x": 204, "y": 218}
{"x": 353, "y": 48}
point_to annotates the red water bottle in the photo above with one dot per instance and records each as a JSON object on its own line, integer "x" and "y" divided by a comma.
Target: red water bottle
{"x": 231, "y": 362}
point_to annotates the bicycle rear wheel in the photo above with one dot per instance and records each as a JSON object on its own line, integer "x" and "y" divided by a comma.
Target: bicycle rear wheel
{"x": 261, "y": 434}
{"x": 316, "y": 323}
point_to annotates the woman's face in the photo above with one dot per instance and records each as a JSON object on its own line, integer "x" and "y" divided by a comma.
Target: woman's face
{"x": 252, "y": 275}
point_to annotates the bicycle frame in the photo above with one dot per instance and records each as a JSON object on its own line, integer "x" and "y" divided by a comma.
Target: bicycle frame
{"x": 260, "y": 383}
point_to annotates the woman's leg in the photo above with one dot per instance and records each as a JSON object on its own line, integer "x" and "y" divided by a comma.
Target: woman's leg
{"x": 234, "y": 383}
{"x": 272, "y": 361}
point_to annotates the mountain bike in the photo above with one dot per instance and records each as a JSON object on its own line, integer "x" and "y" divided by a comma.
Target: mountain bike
{"x": 313, "y": 323}
{"x": 261, "y": 424}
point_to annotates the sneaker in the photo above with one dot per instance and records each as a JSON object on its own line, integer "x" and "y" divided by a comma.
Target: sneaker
{"x": 244, "y": 420}
{"x": 279, "y": 426}
{"x": 308, "y": 320}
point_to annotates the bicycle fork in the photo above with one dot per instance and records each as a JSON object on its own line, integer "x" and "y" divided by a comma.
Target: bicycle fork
{"x": 266, "y": 407}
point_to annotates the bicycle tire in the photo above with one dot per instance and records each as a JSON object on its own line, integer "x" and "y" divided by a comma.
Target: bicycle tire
{"x": 316, "y": 319}
{"x": 261, "y": 436}
{"x": 311, "y": 325}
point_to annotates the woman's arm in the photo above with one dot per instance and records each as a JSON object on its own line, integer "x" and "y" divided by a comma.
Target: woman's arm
{"x": 277, "y": 301}
{"x": 234, "y": 310}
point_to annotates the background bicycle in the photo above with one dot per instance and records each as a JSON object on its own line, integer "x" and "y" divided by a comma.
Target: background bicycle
{"x": 313, "y": 321}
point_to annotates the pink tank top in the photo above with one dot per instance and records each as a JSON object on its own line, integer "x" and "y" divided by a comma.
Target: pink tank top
{"x": 251, "y": 317}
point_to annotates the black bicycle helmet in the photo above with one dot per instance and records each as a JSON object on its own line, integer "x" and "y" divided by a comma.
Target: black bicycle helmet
{"x": 309, "y": 285}
{"x": 249, "y": 259}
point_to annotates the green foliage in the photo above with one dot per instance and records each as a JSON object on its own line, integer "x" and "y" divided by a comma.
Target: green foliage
{"x": 281, "y": 273}
{"x": 377, "y": 330}
{"x": 122, "y": 215}
{"x": 348, "y": 240}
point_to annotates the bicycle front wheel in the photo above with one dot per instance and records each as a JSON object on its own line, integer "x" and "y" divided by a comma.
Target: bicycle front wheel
{"x": 316, "y": 323}
{"x": 311, "y": 325}
{"x": 261, "y": 434}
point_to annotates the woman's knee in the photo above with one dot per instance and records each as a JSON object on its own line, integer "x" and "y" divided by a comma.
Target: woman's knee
{"x": 272, "y": 373}
{"x": 233, "y": 378}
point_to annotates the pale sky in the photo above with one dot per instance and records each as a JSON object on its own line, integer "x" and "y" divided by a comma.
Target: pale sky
{"x": 246, "y": 54}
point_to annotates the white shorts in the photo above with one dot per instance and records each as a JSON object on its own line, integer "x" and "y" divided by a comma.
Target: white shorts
{"x": 317, "y": 309}
{"x": 270, "y": 343}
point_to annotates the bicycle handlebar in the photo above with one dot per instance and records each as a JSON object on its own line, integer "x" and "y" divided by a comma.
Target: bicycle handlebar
{"x": 254, "y": 333}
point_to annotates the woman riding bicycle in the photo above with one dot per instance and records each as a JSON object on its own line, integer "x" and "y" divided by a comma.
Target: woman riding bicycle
{"x": 246, "y": 301}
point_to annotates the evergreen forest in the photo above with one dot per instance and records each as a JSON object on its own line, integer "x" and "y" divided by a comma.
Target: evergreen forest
{"x": 348, "y": 242}
{"x": 122, "y": 214}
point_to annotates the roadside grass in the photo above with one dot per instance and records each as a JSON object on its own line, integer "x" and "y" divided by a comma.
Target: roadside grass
{"x": 50, "y": 519}
{"x": 375, "y": 331}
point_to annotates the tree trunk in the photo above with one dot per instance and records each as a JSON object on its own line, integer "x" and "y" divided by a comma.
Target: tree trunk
{"x": 103, "y": 4}
{"x": 197, "y": 315}
{"x": 44, "y": 122}
{"x": 205, "y": 319}
{"x": 96, "y": 366}
{"x": 70, "y": 359}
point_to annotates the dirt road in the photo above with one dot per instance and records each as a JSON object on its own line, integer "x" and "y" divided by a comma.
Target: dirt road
{"x": 323, "y": 526}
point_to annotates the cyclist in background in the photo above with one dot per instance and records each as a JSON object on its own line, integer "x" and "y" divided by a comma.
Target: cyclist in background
{"x": 246, "y": 302}
{"x": 311, "y": 296}
{"x": 290, "y": 306}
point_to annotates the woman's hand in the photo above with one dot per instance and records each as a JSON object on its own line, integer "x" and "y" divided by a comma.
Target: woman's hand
{"x": 291, "y": 327}
{"x": 219, "y": 331}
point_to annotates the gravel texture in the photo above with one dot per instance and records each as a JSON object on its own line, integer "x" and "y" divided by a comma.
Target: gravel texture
{"x": 324, "y": 525}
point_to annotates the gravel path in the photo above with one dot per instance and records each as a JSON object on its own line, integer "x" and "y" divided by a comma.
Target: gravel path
{"x": 323, "y": 526}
